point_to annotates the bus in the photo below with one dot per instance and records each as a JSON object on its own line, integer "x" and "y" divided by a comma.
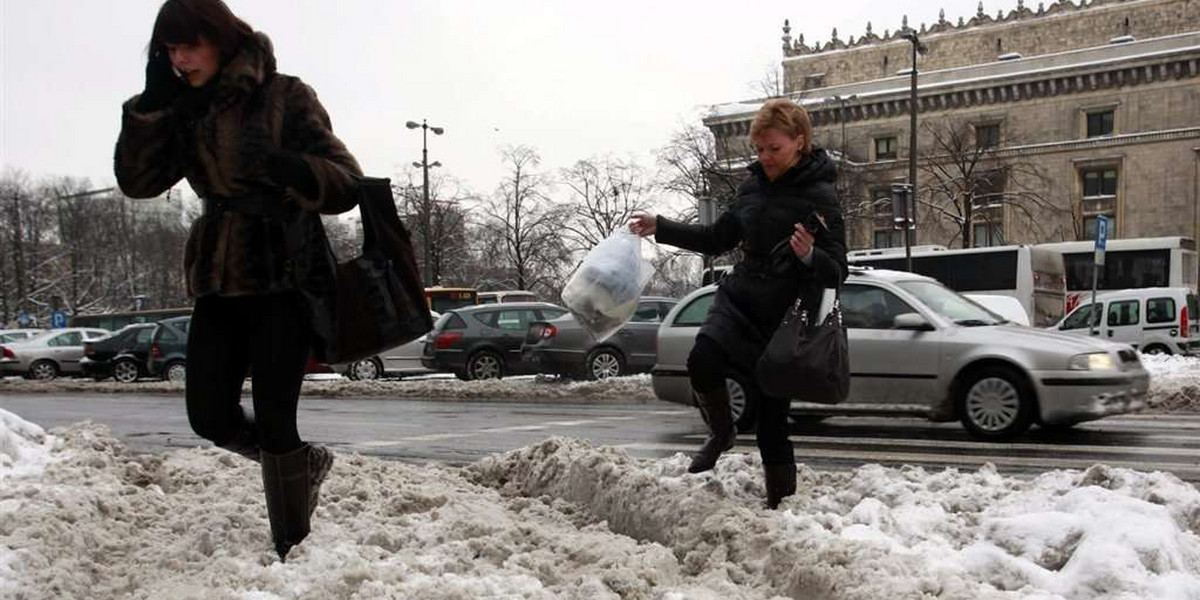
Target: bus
{"x": 1034, "y": 276}
{"x": 1128, "y": 263}
{"x": 441, "y": 299}
{"x": 117, "y": 320}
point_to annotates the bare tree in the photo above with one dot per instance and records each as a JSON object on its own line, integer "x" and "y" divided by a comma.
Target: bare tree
{"x": 689, "y": 166}
{"x": 967, "y": 182}
{"x": 523, "y": 226}
{"x": 602, "y": 194}
{"x": 442, "y": 219}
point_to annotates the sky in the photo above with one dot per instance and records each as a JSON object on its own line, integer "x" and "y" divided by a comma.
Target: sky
{"x": 573, "y": 80}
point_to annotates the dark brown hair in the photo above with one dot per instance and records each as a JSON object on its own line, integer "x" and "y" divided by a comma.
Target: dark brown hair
{"x": 787, "y": 117}
{"x": 185, "y": 21}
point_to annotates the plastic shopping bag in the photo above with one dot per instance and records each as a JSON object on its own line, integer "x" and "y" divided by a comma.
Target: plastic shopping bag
{"x": 603, "y": 292}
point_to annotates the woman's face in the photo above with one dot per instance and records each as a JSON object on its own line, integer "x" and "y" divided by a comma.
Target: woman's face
{"x": 196, "y": 63}
{"x": 777, "y": 151}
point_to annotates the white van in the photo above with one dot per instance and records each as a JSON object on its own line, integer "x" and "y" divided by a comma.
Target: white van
{"x": 1160, "y": 320}
{"x": 506, "y": 296}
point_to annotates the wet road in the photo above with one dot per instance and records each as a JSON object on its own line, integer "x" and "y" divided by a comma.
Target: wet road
{"x": 461, "y": 432}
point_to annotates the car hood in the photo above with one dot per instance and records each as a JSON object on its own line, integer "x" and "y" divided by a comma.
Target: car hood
{"x": 1029, "y": 336}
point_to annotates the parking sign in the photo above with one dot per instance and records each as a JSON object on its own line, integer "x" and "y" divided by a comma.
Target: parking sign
{"x": 58, "y": 319}
{"x": 1101, "y": 239}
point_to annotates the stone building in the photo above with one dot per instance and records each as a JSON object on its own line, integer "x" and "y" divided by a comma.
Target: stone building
{"x": 1031, "y": 123}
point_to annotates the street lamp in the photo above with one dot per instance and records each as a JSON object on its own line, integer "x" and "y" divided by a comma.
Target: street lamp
{"x": 424, "y": 164}
{"x": 842, "y": 100}
{"x": 917, "y": 48}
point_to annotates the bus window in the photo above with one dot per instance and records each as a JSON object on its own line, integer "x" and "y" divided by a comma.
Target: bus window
{"x": 445, "y": 299}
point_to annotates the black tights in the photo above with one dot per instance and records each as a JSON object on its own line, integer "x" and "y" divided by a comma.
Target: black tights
{"x": 268, "y": 335}
{"x": 707, "y": 365}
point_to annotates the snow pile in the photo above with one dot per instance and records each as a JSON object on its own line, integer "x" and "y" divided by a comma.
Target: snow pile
{"x": 634, "y": 388}
{"x": 565, "y": 520}
{"x": 24, "y": 447}
{"x": 1174, "y": 382}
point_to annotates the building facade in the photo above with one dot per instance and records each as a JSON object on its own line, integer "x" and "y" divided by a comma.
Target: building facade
{"x": 1031, "y": 124}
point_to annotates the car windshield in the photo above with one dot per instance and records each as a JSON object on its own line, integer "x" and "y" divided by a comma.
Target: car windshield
{"x": 950, "y": 304}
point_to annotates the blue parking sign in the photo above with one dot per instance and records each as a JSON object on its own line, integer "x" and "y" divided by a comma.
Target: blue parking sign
{"x": 58, "y": 319}
{"x": 1101, "y": 238}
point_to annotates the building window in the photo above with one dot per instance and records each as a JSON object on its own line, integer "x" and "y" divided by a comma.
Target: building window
{"x": 888, "y": 238}
{"x": 987, "y": 136}
{"x": 1099, "y": 182}
{"x": 1100, "y": 123}
{"x": 881, "y": 201}
{"x": 987, "y": 234}
{"x": 885, "y": 148}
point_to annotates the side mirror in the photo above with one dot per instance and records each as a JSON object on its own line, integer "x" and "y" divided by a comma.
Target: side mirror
{"x": 911, "y": 322}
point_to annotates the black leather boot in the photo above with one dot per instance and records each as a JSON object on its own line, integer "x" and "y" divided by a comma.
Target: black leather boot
{"x": 245, "y": 441}
{"x": 781, "y": 483}
{"x": 291, "y": 483}
{"x": 715, "y": 407}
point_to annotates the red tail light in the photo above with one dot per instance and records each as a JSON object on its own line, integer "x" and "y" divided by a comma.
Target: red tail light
{"x": 155, "y": 351}
{"x": 88, "y": 349}
{"x": 548, "y": 331}
{"x": 445, "y": 340}
{"x": 1183, "y": 322}
{"x": 7, "y": 353}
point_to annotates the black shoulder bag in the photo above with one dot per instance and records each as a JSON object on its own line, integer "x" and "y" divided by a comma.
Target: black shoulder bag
{"x": 379, "y": 302}
{"x": 810, "y": 363}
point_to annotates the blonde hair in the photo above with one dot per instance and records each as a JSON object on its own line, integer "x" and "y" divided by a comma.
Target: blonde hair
{"x": 787, "y": 117}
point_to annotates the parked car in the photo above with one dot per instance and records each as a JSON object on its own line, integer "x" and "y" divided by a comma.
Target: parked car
{"x": 168, "y": 349}
{"x": 917, "y": 347}
{"x": 506, "y": 297}
{"x": 1161, "y": 320}
{"x": 52, "y": 353}
{"x": 562, "y": 346}
{"x": 401, "y": 360}
{"x": 16, "y": 335}
{"x": 121, "y": 355}
{"x": 484, "y": 341}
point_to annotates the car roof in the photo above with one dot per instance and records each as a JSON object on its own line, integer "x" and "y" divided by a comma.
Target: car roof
{"x": 861, "y": 273}
{"x": 1139, "y": 292}
{"x": 506, "y": 306}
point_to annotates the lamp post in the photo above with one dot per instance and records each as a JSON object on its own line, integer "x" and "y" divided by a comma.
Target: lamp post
{"x": 424, "y": 164}
{"x": 917, "y": 48}
{"x": 842, "y": 100}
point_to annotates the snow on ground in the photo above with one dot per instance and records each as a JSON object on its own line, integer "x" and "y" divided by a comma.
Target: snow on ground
{"x": 1174, "y": 382}
{"x": 562, "y": 519}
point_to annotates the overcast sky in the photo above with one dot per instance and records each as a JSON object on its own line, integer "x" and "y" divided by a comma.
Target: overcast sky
{"x": 571, "y": 79}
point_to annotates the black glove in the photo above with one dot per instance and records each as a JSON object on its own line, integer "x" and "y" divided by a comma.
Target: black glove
{"x": 162, "y": 85}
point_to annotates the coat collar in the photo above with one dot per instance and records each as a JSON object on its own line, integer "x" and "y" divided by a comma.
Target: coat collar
{"x": 815, "y": 167}
{"x": 252, "y": 65}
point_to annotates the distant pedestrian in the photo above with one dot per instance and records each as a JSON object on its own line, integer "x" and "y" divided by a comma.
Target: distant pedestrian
{"x": 788, "y": 224}
{"x": 258, "y": 147}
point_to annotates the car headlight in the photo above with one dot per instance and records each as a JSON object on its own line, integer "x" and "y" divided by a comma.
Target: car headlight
{"x": 1095, "y": 361}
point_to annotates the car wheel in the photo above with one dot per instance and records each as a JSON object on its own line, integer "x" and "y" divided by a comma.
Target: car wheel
{"x": 485, "y": 364}
{"x": 176, "y": 371}
{"x": 995, "y": 403}
{"x": 366, "y": 369}
{"x": 43, "y": 370}
{"x": 743, "y": 401}
{"x": 1156, "y": 349}
{"x": 125, "y": 371}
{"x": 603, "y": 363}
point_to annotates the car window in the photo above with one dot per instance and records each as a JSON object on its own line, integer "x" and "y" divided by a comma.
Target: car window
{"x": 514, "y": 320}
{"x": 870, "y": 307}
{"x": 93, "y": 334}
{"x": 1125, "y": 312}
{"x": 549, "y": 314}
{"x": 487, "y": 318}
{"x": 647, "y": 312}
{"x": 167, "y": 334}
{"x": 73, "y": 338}
{"x": 664, "y": 308}
{"x": 1160, "y": 310}
{"x": 144, "y": 334}
{"x": 1079, "y": 318}
{"x": 694, "y": 313}
{"x": 950, "y": 304}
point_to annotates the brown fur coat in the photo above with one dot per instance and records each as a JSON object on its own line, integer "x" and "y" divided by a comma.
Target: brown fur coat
{"x": 232, "y": 253}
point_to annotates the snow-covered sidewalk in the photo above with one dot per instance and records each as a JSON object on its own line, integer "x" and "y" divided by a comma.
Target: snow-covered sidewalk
{"x": 81, "y": 517}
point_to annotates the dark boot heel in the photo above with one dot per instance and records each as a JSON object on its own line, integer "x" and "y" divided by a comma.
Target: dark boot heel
{"x": 781, "y": 483}
{"x": 715, "y": 406}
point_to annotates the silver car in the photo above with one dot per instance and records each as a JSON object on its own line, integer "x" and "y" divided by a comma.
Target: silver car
{"x": 404, "y": 359}
{"x": 16, "y": 335}
{"x": 49, "y": 354}
{"x": 917, "y": 347}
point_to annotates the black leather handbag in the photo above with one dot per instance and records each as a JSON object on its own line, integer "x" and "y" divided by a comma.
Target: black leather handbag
{"x": 379, "y": 301}
{"x": 810, "y": 363}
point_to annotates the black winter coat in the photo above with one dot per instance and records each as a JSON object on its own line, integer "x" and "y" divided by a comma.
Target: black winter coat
{"x": 752, "y": 300}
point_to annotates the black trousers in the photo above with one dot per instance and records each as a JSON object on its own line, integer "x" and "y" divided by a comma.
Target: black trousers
{"x": 707, "y": 365}
{"x": 267, "y": 336}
